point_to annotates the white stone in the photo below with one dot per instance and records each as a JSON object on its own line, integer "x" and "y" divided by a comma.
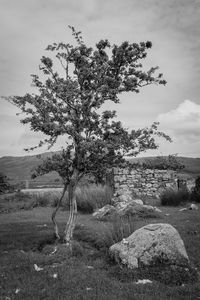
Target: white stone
{"x": 153, "y": 242}
{"x": 106, "y": 211}
{"x": 193, "y": 207}
{"x": 183, "y": 209}
{"x": 138, "y": 201}
{"x": 148, "y": 185}
{"x": 143, "y": 281}
{"x": 125, "y": 198}
{"x": 157, "y": 209}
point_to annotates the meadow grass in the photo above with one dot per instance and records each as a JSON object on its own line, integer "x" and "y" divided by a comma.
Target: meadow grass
{"x": 87, "y": 274}
{"x": 112, "y": 233}
{"x": 89, "y": 198}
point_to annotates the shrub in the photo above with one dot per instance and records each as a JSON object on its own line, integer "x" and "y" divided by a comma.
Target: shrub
{"x": 17, "y": 197}
{"x": 174, "y": 198}
{"x": 20, "y": 200}
{"x": 41, "y": 200}
{"x": 195, "y": 194}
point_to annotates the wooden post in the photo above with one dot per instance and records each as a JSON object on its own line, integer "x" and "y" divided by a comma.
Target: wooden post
{"x": 26, "y": 184}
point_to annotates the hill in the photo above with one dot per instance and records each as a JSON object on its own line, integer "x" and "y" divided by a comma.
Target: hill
{"x": 191, "y": 169}
{"x": 18, "y": 169}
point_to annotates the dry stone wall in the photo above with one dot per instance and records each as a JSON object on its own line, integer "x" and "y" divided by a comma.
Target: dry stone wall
{"x": 142, "y": 182}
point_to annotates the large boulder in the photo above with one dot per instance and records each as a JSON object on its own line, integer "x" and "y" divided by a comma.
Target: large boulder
{"x": 149, "y": 245}
{"x": 108, "y": 211}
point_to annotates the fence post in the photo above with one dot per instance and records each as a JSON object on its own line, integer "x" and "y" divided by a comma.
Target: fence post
{"x": 26, "y": 184}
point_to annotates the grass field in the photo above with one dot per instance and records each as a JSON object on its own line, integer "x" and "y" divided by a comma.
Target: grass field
{"x": 89, "y": 198}
{"x": 25, "y": 240}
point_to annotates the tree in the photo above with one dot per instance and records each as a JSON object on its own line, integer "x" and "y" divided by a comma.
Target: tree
{"x": 69, "y": 104}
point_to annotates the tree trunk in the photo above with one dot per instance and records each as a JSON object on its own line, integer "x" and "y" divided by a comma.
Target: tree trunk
{"x": 53, "y": 217}
{"x": 69, "y": 229}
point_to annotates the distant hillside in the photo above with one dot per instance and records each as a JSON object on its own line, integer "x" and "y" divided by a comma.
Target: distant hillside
{"x": 191, "y": 170}
{"x": 18, "y": 169}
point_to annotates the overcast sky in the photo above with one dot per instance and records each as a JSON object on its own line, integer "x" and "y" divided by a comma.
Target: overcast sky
{"x": 173, "y": 26}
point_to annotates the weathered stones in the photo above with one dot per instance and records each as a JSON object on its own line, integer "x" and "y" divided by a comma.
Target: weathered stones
{"x": 193, "y": 207}
{"x": 143, "y": 182}
{"x": 138, "y": 201}
{"x": 108, "y": 211}
{"x": 133, "y": 208}
{"x": 124, "y": 198}
{"x": 149, "y": 245}
{"x": 124, "y": 209}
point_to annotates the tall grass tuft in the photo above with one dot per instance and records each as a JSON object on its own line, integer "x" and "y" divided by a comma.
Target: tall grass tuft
{"x": 174, "y": 198}
{"x": 112, "y": 233}
{"x": 92, "y": 197}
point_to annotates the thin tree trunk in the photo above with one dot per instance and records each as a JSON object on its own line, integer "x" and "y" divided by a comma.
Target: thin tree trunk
{"x": 53, "y": 217}
{"x": 69, "y": 229}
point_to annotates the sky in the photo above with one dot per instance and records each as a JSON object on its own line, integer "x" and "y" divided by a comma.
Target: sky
{"x": 173, "y": 26}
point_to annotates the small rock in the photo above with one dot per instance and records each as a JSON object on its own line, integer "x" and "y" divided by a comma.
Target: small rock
{"x": 124, "y": 198}
{"x": 104, "y": 212}
{"x": 90, "y": 267}
{"x": 17, "y": 291}
{"x": 157, "y": 209}
{"x": 37, "y": 268}
{"x": 125, "y": 242}
{"x": 88, "y": 288}
{"x": 143, "y": 281}
{"x": 54, "y": 251}
{"x": 138, "y": 201}
{"x": 193, "y": 207}
{"x": 183, "y": 209}
{"x": 55, "y": 275}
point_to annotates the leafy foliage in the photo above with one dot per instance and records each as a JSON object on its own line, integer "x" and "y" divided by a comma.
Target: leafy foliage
{"x": 68, "y": 104}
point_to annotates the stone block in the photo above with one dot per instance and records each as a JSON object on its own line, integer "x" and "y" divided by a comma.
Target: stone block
{"x": 125, "y": 171}
{"x": 148, "y": 185}
{"x": 133, "y": 172}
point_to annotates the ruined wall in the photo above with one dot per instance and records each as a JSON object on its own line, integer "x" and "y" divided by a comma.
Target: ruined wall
{"x": 142, "y": 182}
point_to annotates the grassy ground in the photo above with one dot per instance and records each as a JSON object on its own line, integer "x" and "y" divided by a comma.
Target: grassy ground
{"x": 25, "y": 240}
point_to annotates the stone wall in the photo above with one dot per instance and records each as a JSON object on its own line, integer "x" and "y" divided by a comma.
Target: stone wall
{"x": 142, "y": 182}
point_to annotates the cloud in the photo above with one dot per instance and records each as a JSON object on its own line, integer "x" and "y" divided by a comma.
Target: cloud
{"x": 183, "y": 122}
